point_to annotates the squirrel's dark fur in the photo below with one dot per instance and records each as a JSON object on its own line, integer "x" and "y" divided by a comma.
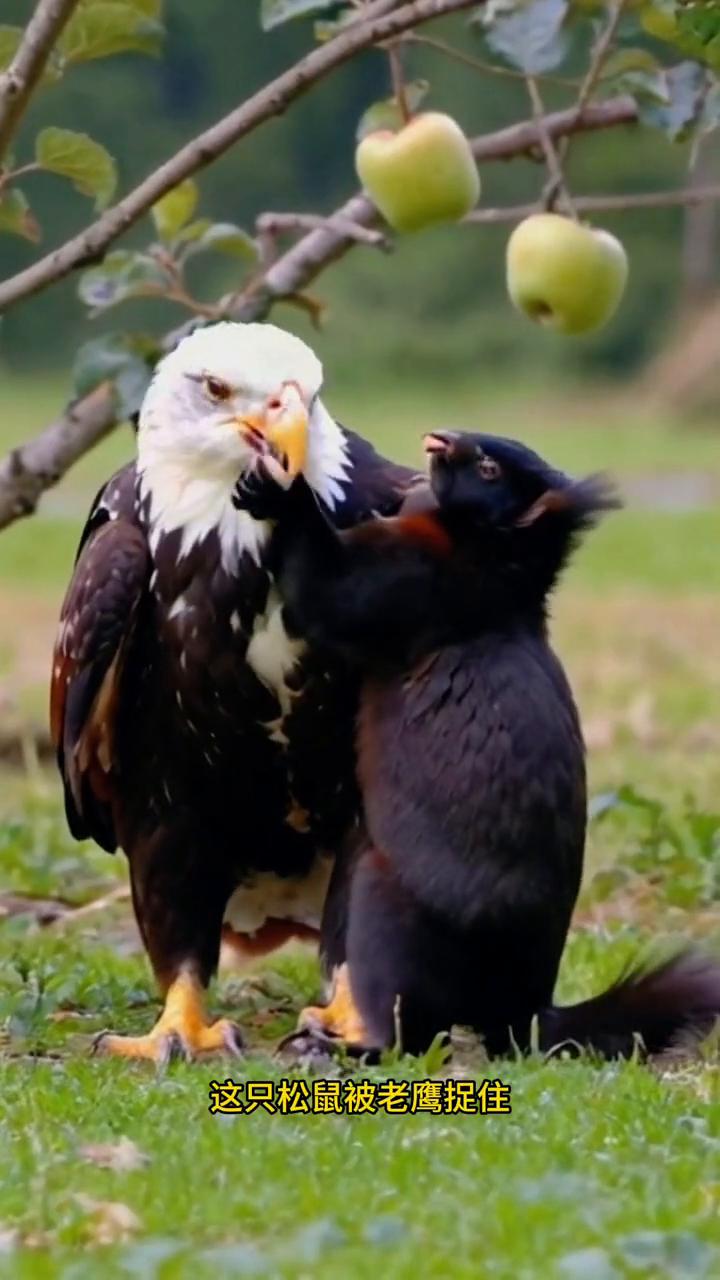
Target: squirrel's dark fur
{"x": 457, "y": 894}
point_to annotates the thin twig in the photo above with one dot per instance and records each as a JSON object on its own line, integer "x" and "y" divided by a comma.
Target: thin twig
{"x": 177, "y": 290}
{"x": 270, "y": 227}
{"x": 398, "y": 81}
{"x": 271, "y": 100}
{"x": 121, "y": 893}
{"x": 478, "y": 64}
{"x": 10, "y": 176}
{"x": 280, "y": 223}
{"x": 604, "y": 204}
{"x": 18, "y": 82}
{"x": 32, "y": 468}
{"x": 597, "y": 61}
{"x": 557, "y": 186}
{"x": 178, "y": 294}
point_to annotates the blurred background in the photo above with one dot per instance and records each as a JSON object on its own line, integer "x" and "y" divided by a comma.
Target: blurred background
{"x": 421, "y": 338}
{"x": 439, "y": 304}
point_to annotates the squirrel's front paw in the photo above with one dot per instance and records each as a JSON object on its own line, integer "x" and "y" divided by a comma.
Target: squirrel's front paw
{"x": 261, "y": 491}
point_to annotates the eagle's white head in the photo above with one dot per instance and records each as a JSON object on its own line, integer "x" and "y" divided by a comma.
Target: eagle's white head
{"x": 213, "y": 402}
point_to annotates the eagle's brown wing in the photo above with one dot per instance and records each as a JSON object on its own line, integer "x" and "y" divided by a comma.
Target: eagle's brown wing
{"x": 96, "y": 625}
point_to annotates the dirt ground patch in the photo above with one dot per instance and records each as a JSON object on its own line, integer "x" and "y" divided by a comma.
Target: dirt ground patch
{"x": 28, "y": 620}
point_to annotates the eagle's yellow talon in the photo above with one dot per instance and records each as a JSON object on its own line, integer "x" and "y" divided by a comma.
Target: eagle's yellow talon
{"x": 182, "y": 1030}
{"x": 165, "y": 1046}
{"x": 340, "y": 1017}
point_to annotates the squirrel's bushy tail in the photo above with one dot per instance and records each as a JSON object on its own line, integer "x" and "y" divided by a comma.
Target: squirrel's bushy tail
{"x": 673, "y": 1003}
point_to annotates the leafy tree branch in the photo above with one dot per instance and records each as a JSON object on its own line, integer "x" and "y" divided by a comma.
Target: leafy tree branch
{"x": 18, "y": 82}
{"x": 532, "y": 38}
{"x": 28, "y": 471}
{"x": 271, "y": 100}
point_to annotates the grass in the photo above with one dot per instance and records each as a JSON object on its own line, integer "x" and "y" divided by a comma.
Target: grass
{"x": 601, "y": 1171}
{"x": 526, "y": 1195}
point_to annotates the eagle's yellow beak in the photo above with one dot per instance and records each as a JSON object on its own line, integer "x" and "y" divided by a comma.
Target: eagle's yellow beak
{"x": 289, "y": 436}
{"x": 284, "y": 423}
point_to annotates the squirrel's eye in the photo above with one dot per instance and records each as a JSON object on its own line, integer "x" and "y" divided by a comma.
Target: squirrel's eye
{"x": 217, "y": 389}
{"x": 489, "y": 469}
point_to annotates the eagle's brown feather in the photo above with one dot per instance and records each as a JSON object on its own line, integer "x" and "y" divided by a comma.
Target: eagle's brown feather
{"x": 96, "y": 621}
{"x": 196, "y": 734}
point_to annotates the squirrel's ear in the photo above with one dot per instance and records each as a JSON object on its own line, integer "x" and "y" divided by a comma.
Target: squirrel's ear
{"x": 580, "y": 503}
{"x": 553, "y": 500}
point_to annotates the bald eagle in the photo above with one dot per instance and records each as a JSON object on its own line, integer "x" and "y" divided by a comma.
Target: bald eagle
{"x": 190, "y": 729}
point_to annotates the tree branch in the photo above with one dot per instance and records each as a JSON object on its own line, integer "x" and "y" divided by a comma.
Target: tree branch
{"x": 32, "y": 468}
{"x": 273, "y": 225}
{"x": 518, "y": 139}
{"x": 18, "y": 82}
{"x": 603, "y": 204}
{"x": 269, "y": 101}
{"x": 300, "y": 265}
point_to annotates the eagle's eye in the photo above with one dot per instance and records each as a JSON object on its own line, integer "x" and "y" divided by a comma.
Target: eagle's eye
{"x": 489, "y": 469}
{"x": 216, "y": 388}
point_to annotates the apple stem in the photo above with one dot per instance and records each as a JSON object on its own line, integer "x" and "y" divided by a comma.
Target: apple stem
{"x": 398, "y": 82}
{"x": 556, "y": 185}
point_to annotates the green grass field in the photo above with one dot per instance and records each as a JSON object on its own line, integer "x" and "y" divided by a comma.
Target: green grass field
{"x": 601, "y": 1171}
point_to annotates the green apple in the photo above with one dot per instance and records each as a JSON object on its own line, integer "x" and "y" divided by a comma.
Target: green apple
{"x": 422, "y": 175}
{"x": 564, "y": 275}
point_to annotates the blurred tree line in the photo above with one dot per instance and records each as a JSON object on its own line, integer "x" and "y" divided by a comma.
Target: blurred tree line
{"x": 437, "y": 307}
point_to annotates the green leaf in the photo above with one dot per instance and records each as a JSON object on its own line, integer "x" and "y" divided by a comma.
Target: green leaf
{"x": 274, "y": 12}
{"x": 623, "y": 60}
{"x": 703, "y": 20}
{"x": 386, "y": 114}
{"x": 659, "y": 19}
{"x": 635, "y": 71}
{"x": 144, "y": 8}
{"x": 108, "y": 27}
{"x": 17, "y": 217}
{"x": 122, "y": 275}
{"x": 607, "y": 882}
{"x": 176, "y": 208}
{"x": 89, "y": 166}
{"x": 530, "y": 36}
{"x": 126, "y": 360}
{"x": 194, "y": 230}
{"x": 225, "y": 237}
{"x": 644, "y": 84}
{"x": 693, "y": 26}
{"x": 683, "y": 109}
{"x": 699, "y": 31}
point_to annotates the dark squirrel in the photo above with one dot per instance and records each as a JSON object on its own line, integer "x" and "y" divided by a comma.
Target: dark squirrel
{"x": 454, "y": 902}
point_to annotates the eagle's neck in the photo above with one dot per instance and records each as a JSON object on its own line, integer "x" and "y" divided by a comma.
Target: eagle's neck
{"x": 193, "y": 494}
{"x": 195, "y": 499}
